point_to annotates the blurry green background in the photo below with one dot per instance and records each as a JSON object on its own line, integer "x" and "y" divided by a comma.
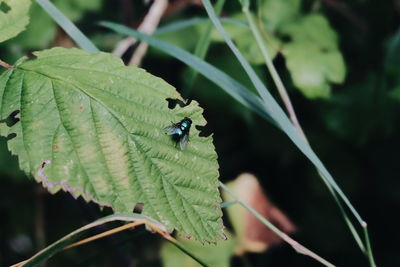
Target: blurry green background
{"x": 354, "y": 131}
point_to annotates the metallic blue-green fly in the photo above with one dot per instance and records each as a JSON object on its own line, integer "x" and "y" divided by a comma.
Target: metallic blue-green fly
{"x": 180, "y": 132}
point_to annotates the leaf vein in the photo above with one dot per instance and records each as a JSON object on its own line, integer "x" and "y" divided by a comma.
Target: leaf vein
{"x": 72, "y": 142}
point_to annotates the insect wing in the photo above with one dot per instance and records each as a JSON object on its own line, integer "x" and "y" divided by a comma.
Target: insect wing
{"x": 184, "y": 141}
{"x": 170, "y": 130}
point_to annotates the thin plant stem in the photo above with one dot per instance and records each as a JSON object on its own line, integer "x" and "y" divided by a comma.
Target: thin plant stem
{"x": 201, "y": 51}
{"x": 149, "y": 26}
{"x": 349, "y": 224}
{"x": 296, "y": 246}
{"x": 104, "y": 234}
{"x": 289, "y": 107}
{"x": 6, "y": 65}
{"x": 275, "y": 76}
{"x": 153, "y": 227}
{"x": 369, "y": 248}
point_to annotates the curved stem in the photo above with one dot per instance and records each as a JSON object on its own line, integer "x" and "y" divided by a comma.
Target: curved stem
{"x": 289, "y": 107}
{"x": 275, "y": 76}
{"x": 152, "y": 226}
{"x": 6, "y": 65}
{"x": 134, "y": 219}
{"x": 296, "y": 245}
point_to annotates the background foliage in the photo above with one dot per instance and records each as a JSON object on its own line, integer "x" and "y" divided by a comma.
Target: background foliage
{"x": 351, "y": 121}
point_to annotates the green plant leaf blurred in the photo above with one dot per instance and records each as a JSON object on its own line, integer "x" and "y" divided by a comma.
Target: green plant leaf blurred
{"x": 308, "y": 43}
{"x": 312, "y": 56}
{"x": 242, "y": 36}
{"x": 276, "y": 13}
{"x": 95, "y": 128}
{"x": 312, "y": 28}
{"x": 35, "y": 36}
{"x": 313, "y": 69}
{"x": 42, "y": 28}
{"x": 75, "y": 9}
{"x": 13, "y": 17}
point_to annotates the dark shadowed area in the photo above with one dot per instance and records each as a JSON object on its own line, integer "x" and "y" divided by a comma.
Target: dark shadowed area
{"x": 352, "y": 123}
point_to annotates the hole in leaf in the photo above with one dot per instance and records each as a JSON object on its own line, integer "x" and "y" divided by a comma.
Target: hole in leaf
{"x": 4, "y": 7}
{"x": 286, "y": 38}
{"x": 138, "y": 208}
{"x": 205, "y": 131}
{"x": 173, "y": 102}
{"x": 11, "y": 119}
{"x": 11, "y": 136}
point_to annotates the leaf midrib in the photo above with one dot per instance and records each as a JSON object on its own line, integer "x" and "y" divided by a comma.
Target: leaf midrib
{"x": 99, "y": 71}
{"x": 78, "y": 88}
{"x": 70, "y": 138}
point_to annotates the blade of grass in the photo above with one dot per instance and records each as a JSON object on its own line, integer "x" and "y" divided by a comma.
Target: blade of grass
{"x": 272, "y": 112}
{"x": 229, "y": 85}
{"x": 347, "y": 220}
{"x": 262, "y": 91}
{"x": 275, "y": 112}
{"x": 185, "y": 23}
{"x": 228, "y": 204}
{"x": 200, "y": 51}
{"x": 369, "y": 248}
{"x": 278, "y": 115}
{"x": 285, "y": 98}
{"x": 275, "y": 76}
{"x": 80, "y": 39}
{"x": 179, "y": 25}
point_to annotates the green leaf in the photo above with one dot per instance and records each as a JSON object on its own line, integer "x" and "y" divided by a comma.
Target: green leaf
{"x": 234, "y": 30}
{"x": 243, "y": 38}
{"x": 233, "y": 88}
{"x": 95, "y": 128}
{"x": 312, "y": 55}
{"x": 215, "y": 255}
{"x": 248, "y": 46}
{"x": 276, "y": 13}
{"x": 270, "y": 110}
{"x": 313, "y": 28}
{"x": 313, "y": 69}
{"x": 75, "y": 9}
{"x": 13, "y": 17}
{"x": 66, "y": 24}
{"x": 35, "y": 37}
